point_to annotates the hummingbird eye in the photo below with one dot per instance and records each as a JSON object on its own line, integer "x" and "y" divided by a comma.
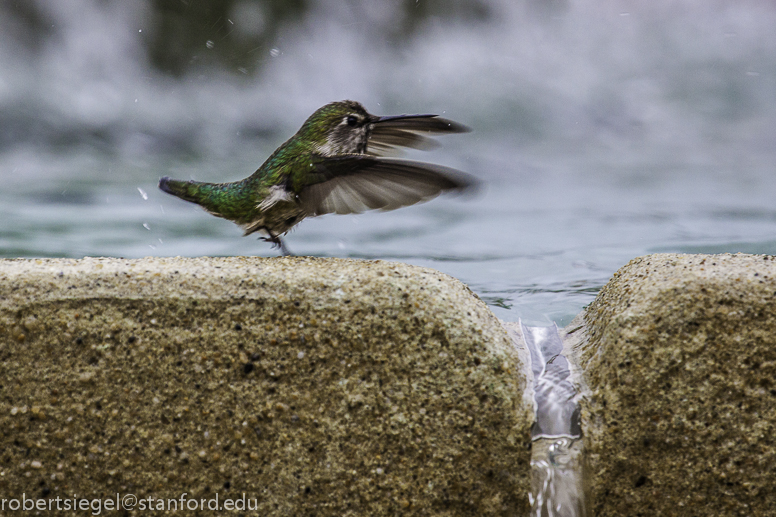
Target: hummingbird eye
{"x": 352, "y": 120}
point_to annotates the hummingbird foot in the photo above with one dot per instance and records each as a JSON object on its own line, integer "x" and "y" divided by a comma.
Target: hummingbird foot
{"x": 277, "y": 243}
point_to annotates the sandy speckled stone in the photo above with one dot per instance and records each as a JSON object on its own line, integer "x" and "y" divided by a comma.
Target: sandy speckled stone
{"x": 314, "y": 386}
{"x": 679, "y": 354}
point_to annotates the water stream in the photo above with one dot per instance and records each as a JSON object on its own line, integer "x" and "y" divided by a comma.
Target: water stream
{"x": 556, "y": 466}
{"x": 556, "y": 478}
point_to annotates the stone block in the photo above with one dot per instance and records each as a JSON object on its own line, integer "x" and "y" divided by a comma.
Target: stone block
{"x": 678, "y": 354}
{"x": 311, "y": 386}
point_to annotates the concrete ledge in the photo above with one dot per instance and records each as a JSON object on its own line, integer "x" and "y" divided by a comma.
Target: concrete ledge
{"x": 314, "y": 386}
{"x": 680, "y": 359}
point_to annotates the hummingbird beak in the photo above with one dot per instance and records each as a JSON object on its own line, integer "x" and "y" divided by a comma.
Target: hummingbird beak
{"x": 426, "y": 123}
{"x": 377, "y": 120}
{"x": 409, "y": 131}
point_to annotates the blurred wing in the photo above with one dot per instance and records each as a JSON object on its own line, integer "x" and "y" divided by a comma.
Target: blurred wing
{"x": 357, "y": 183}
{"x": 412, "y": 131}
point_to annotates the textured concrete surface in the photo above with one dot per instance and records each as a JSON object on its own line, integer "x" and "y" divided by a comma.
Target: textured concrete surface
{"x": 679, "y": 354}
{"x": 314, "y": 386}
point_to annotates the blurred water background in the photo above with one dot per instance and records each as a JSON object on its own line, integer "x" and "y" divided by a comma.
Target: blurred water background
{"x": 602, "y": 130}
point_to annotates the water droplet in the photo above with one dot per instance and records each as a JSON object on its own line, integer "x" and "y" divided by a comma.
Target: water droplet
{"x": 142, "y": 192}
{"x": 210, "y": 44}
{"x": 145, "y": 225}
{"x": 274, "y": 52}
{"x": 141, "y": 30}
{"x": 300, "y": 355}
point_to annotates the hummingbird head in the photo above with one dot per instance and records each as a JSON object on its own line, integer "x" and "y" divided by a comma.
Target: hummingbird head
{"x": 345, "y": 127}
{"x": 339, "y": 128}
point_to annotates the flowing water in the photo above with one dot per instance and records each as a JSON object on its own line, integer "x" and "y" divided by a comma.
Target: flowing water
{"x": 556, "y": 452}
{"x": 556, "y": 482}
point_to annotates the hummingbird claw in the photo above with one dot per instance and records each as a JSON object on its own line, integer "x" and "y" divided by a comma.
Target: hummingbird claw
{"x": 277, "y": 243}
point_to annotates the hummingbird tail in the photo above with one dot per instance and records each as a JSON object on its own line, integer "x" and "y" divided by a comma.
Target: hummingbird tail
{"x": 192, "y": 191}
{"x": 213, "y": 197}
{"x": 177, "y": 188}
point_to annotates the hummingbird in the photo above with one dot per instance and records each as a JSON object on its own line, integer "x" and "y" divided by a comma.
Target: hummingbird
{"x": 335, "y": 163}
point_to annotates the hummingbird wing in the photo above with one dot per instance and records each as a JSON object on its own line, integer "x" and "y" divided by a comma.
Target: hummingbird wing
{"x": 357, "y": 183}
{"x": 390, "y": 133}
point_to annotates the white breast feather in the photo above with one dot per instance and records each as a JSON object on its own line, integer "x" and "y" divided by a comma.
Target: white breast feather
{"x": 277, "y": 193}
